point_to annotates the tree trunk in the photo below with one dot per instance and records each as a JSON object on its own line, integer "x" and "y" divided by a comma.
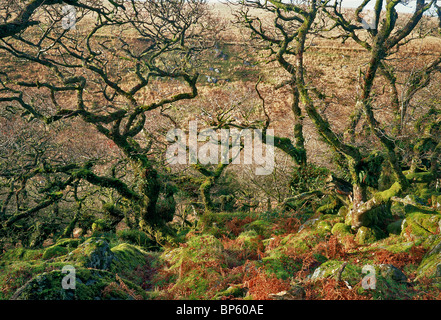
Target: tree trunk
{"x": 205, "y": 190}
{"x": 298, "y": 127}
{"x": 151, "y": 188}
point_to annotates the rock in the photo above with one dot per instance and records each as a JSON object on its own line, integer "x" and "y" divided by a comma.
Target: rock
{"x": 54, "y": 251}
{"x": 365, "y": 236}
{"x": 308, "y": 224}
{"x": 235, "y": 291}
{"x": 90, "y": 284}
{"x": 386, "y": 275}
{"x": 395, "y": 227}
{"x": 324, "y": 226}
{"x": 420, "y": 226}
{"x": 211, "y": 79}
{"x": 94, "y": 253}
{"x": 391, "y": 273}
{"x": 296, "y": 292}
{"x": 431, "y": 264}
{"x": 338, "y": 269}
{"x": 341, "y": 230}
{"x": 60, "y": 248}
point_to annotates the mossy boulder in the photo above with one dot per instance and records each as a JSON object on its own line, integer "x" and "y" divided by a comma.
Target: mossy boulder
{"x": 343, "y": 232}
{"x": 261, "y": 227}
{"x": 430, "y": 266}
{"x": 396, "y": 244}
{"x": 390, "y": 282}
{"x": 390, "y": 273}
{"x": 367, "y": 235}
{"x": 332, "y": 268}
{"x": 134, "y": 263}
{"x": 14, "y": 274}
{"x": 90, "y": 284}
{"x": 130, "y": 262}
{"x": 54, "y": 251}
{"x": 341, "y": 229}
{"x": 284, "y": 265}
{"x": 198, "y": 249}
{"x": 343, "y": 212}
{"x": 324, "y": 226}
{"x": 61, "y": 248}
{"x": 128, "y": 256}
{"x": 395, "y": 227}
{"x": 420, "y": 226}
{"x": 234, "y": 291}
{"x": 94, "y": 253}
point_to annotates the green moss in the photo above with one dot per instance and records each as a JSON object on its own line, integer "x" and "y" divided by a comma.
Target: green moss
{"x": 281, "y": 265}
{"x": 343, "y": 211}
{"x": 261, "y": 227}
{"x": 331, "y": 206}
{"x": 22, "y": 254}
{"x": 351, "y": 273}
{"x": 246, "y": 246}
{"x": 219, "y": 219}
{"x": 101, "y": 225}
{"x": 300, "y": 242}
{"x": 425, "y": 193}
{"x": 324, "y": 226}
{"x": 341, "y": 229}
{"x": 431, "y": 265}
{"x": 284, "y": 265}
{"x": 391, "y": 284}
{"x": 54, "y": 251}
{"x": 69, "y": 243}
{"x": 138, "y": 238}
{"x": 93, "y": 253}
{"x": 235, "y": 291}
{"x": 420, "y": 226}
{"x": 197, "y": 250}
{"x": 90, "y": 285}
{"x": 396, "y": 244}
{"x": 332, "y": 218}
{"x": 127, "y": 256}
{"x": 395, "y": 227}
{"x": 14, "y": 274}
{"x": 133, "y": 263}
{"x": 365, "y": 236}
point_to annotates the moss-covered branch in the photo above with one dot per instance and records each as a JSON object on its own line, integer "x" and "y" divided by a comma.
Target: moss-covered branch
{"x": 380, "y": 198}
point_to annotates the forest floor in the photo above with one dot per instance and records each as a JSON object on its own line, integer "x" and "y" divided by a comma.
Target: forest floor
{"x": 240, "y": 255}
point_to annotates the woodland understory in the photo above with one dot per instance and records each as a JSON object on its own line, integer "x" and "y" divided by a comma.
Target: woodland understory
{"x": 349, "y": 99}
